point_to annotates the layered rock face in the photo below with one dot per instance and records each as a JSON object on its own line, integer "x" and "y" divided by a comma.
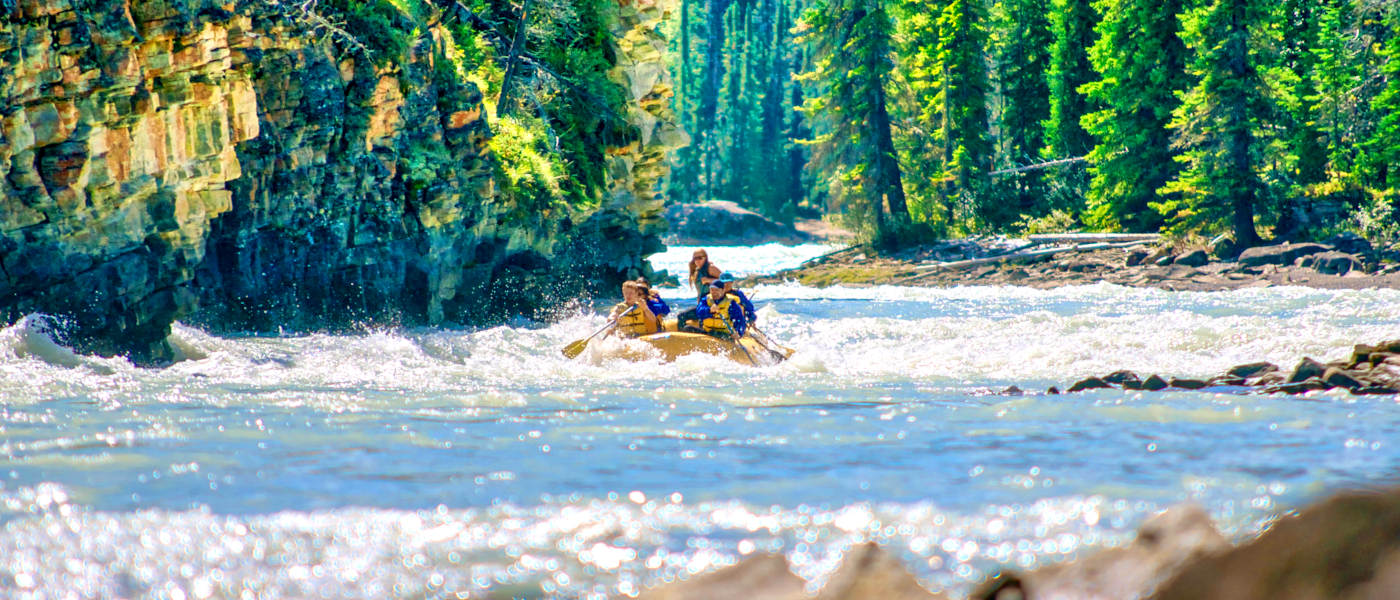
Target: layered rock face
{"x": 208, "y": 160}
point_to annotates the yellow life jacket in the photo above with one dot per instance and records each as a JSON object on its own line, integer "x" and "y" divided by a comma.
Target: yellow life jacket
{"x": 631, "y": 324}
{"x": 718, "y": 322}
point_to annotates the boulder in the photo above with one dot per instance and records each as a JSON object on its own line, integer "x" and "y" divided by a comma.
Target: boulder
{"x": 1123, "y": 378}
{"x": 726, "y": 223}
{"x": 1351, "y": 243}
{"x": 1187, "y": 384}
{"x": 1135, "y": 258}
{"x": 1306, "y": 369}
{"x": 1194, "y": 258}
{"x": 1165, "y": 543}
{"x": 760, "y": 577}
{"x": 1164, "y": 261}
{"x": 1345, "y": 547}
{"x": 1089, "y": 383}
{"x": 1251, "y": 369}
{"x": 1283, "y": 254}
{"x": 1339, "y": 378}
{"x": 1335, "y": 263}
{"x": 1154, "y": 384}
{"x": 1302, "y": 387}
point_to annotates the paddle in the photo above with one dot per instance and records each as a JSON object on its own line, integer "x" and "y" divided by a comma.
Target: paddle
{"x": 768, "y": 343}
{"x": 734, "y": 338}
{"x": 765, "y": 341}
{"x": 576, "y": 348}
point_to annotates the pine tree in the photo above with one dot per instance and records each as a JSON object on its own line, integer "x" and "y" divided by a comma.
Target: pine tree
{"x": 1022, "y": 54}
{"x": 1141, "y": 61}
{"x": 851, "y": 39}
{"x": 962, "y": 103}
{"x": 1072, "y": 24}
{"x": 1384, "y": 145}
{"x": 1222, "y": 121}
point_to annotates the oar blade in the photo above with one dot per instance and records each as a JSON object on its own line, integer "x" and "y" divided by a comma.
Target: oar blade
{"x": 575, "y": 348}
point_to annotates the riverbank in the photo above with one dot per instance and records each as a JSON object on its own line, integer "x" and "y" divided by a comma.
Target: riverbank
{"x": 1345, "y": 264}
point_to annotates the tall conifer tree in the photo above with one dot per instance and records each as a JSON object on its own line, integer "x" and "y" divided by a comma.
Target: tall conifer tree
{"x": 962, "y": 101}
{"x": 1141, "y": 63}
{"x": 1220, "y": 125}
{"x": 1022, "y": 56}
{"x": 1384, "y": 145}
{"x": 851, "y": 46}
{"x": 1072, "y": 25}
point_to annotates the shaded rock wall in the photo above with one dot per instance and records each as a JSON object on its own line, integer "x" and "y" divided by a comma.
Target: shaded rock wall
{"x": 206, "y": 160}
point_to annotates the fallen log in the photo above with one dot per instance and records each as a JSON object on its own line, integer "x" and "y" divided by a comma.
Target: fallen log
{"x": 959, "y": 264}
{"x": 1075, "y": 238}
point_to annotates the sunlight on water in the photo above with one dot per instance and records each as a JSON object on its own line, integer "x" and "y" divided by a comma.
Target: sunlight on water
{"x": 412, "y": 463}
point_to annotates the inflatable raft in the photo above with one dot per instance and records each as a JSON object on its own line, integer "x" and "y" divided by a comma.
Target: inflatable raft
{"x": 670, "y": 345}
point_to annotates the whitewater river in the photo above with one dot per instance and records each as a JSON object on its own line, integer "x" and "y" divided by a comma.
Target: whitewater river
{"x": 430, "y": 463}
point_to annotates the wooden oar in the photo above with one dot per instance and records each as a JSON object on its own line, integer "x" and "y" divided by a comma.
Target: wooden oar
{"x": 768, "y": 343}
{"x": 765, "y": 341}
{"x": 576, "y": 347}
{"x": 735, "y": 338}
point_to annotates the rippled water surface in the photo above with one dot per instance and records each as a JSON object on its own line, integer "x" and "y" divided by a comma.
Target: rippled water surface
{"x": 437, "y": 462}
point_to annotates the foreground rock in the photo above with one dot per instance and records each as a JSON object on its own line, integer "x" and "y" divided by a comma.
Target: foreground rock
{"x": 1344, "y": 547}
{"x": 1164, "y": 545}
{"x": 866, "y": 573}
{"x": 725, "y": 223}
{"x": 1371, "y": 370}
{"x": 213, "y": 162}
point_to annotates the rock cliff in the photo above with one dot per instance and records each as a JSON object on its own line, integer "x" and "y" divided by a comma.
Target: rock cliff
{"x": 219, "y": 161}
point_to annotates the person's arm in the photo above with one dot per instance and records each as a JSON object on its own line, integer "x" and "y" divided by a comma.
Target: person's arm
{"x": 749, "y": 313}
{"x": 736, "y": 316}
{"x": 710, "y": 275}
{"x": 658, "y": 305}
{"x": 702, "y": 309}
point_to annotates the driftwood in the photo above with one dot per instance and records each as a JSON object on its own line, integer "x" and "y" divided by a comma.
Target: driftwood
{"x": 1075, "y": 238}
{"x": 960, "y": 264}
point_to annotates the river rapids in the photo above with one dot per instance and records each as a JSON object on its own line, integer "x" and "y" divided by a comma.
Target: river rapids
{"x": 482, "y": 463}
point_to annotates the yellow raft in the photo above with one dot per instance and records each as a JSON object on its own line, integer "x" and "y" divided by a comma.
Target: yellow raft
{"x": 670, "y": 344}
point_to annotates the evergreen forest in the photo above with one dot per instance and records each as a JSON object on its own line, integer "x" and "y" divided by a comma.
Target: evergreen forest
{"x": 918, "y": 119}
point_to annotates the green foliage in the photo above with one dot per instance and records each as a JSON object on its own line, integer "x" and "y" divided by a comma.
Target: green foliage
{"x": 1072, "y": 24}
{"x": 851, "y": 40}
{"x": 1141, "y": 62}
{"x": 527, "y": 172}
{"x": 1022, "y": 44}
{"x": 1223, "y": 123}
{"x": 1056, "y": 221}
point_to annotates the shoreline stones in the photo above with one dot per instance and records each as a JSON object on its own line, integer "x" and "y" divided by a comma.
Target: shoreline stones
{"x": 1371, "y": 370}
{"x": 1341, "y": 263}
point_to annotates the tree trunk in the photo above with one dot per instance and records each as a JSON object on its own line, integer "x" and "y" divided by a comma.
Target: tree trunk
{"x": 709, "y": 95}
{"x": 891, "y": 184}
{"x": 517, "y": 46}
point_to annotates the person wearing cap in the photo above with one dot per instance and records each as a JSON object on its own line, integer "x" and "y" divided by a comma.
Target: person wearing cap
{"x": 727, "y": 279}
{"x": 721, "y": 314}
